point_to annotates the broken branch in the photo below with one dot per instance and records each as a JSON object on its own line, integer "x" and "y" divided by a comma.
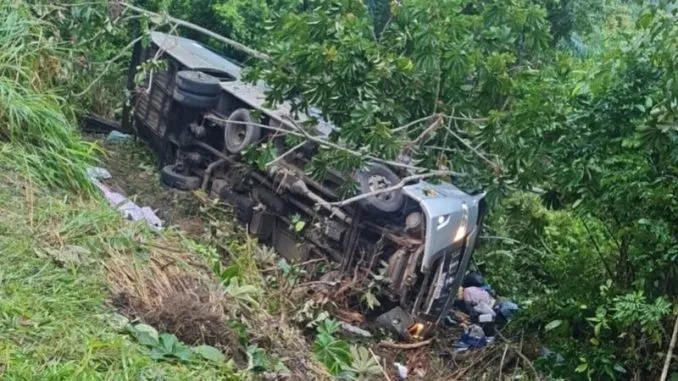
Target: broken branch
{"x": 492, "y": 164}
{"x": 317, "y": 283}
{"x": 405, "y": 346}
{"x": 465, "y": 118}
{"x": 383, "y": 371}
{"x": 412, "y": 123}
{"x": 108, "y": 65}
{"x": 277, "y": 159}
{"x": 434, "y": 125}
{"x": 669, "y": 353}
{"x": 520, "y": 354}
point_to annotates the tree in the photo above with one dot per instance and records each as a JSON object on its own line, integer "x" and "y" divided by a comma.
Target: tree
{"x": 596, "y": 133}
{"x": 428, "y": 53}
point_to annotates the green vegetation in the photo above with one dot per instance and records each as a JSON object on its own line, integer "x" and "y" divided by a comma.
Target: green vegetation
{"x": 54, "y": 323}
{"x": 592, "y": 253}
{"x": 35, "y": 119}
{"x": 564, "y": 110}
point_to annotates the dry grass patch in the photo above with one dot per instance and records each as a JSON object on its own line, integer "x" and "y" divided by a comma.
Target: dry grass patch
{"x": 174, "y": 292}
{"x": 173, "y": 297}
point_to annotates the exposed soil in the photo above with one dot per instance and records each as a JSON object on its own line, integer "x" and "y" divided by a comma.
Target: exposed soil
{"x": 134, "y": 170}
{"x": 171, "y": 300}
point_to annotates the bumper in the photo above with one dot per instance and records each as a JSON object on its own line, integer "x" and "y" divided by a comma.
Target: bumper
{"x": 453, "y": 221}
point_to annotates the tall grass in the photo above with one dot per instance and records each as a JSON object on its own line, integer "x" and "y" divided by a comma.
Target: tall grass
{"x": 36, "y": 124}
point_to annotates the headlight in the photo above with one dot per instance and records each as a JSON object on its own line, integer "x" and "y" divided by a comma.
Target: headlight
{"x": 461, "y": 233}
{"x": 463, "y": 225}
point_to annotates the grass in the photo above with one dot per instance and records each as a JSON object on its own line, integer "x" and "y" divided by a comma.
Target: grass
{"x": 70, "y": 265}
{"x": 55, "y": 323}
{"x": 34, "y": 118}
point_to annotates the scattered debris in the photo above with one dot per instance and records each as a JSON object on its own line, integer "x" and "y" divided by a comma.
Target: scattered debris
{"x": 129, "y": 209}
{"x": 98, "y": 173}
{"x": 117, "y": 137}
{"x": 350, "y": 317}
{"x": 506, "y": 309}
{"x": 546, "y": 353}
{"x": 418, "y": 363}
{"x": 98, "y": 124}
{"x": 479, "y": 312}
{"x": 392, "y": 345}
{"x": 474, "y": 337}
{"x": 402, "y": 371}
{"x": 396, "y": 321}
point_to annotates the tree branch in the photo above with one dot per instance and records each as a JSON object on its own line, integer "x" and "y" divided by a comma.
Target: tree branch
{"x": 300, "y": 132}
{"x": 108, "y": 65}
{"x": 234, "y": 44}
{"x": 464, "y": 118}
{"x": 157, "y": 55}
{"x": 392, "y": 188}
{"x": 669, "y": 353}
{"x": 383, "y": 371}
{"x": 492, "y": 164}
{"x": 280, "y": 157}
{"x": 436, "y": 123}
{"x": 412, "y": 123}
{"x": 390, "y": 344}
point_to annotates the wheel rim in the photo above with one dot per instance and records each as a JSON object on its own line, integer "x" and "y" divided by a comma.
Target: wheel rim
{"x": 378, "y": 183}
{"x": 237, "y": 134}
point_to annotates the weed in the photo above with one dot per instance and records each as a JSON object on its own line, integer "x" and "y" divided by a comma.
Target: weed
{"x": 167, "y": 346}
{"x": 33, "y": 118}
{"x": 344, "y": 361}
{"x": 364, "y": 365}
{"x": 168, "y": 293}
{"x": 333, "y": 352}
{"x": 374, "y": 287}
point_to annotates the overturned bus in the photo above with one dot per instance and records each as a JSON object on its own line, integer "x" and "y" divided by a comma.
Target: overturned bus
{"x": 199, "y": 117}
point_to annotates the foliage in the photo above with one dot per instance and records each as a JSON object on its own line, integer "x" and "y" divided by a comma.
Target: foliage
{"x": 568, "y": 16}
{"x": 380, "y": 10}
{"x": 344, "y": 361}
{"x": 561, "y": 267}
{"x": 167, "y": 346}
{"x": 357, "y": 81}
{"x": 334, "y": 353}
{"x": 364, "y": 365}
{"x": 374, "y": 287}
{"x": 242, "y": 20}
{"x": 243, "y": 294}
{"x": 163, "y": 346}
{"x": 35, "y": 119}
{"x": 95, "y": 34}
{"x": 593, "y": 133}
